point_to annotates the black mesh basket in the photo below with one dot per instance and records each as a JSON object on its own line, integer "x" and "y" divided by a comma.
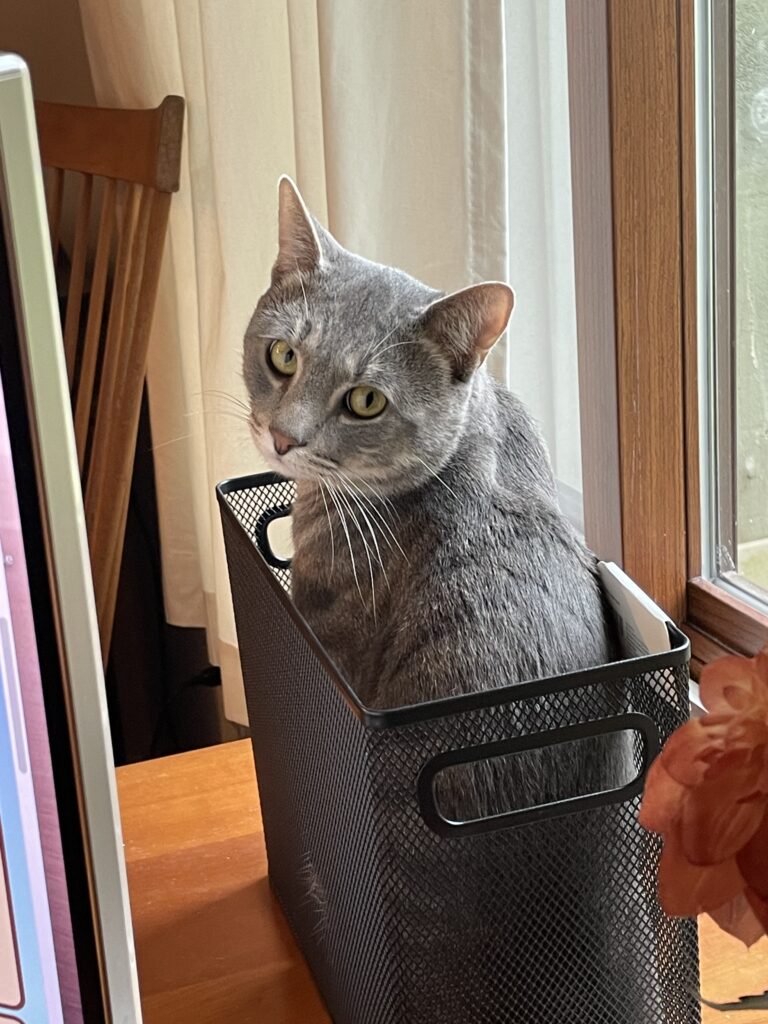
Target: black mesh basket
{"x": 542, "y": 915}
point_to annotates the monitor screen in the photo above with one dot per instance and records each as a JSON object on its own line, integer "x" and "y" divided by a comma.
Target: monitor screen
{"x": 29, "y": 977}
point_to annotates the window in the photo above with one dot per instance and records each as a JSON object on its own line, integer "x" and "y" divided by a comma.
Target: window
{"x": 730, "y": 601}
{"x": 668, "y": 106}
{"x": 670, "y": 308}
{"x": 736, "y": 337}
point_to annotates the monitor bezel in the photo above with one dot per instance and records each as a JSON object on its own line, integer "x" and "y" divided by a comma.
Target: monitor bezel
{"x": 68, "y": 638}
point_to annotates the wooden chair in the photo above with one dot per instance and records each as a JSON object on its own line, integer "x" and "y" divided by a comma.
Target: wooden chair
{"x": 127, "y": 163}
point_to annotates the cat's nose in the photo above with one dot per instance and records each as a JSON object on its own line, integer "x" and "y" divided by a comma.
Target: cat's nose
{"x": 283, "y": 443}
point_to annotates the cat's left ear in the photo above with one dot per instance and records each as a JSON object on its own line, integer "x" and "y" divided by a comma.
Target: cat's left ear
{"x": 300, "y": 249}
{"x": 468, "y": 323}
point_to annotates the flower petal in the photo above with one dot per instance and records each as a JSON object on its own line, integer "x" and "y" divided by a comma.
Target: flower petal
{"x": 761, "y": 667}
{"x": 739, "y": 919}
{"x": 759, "y": 906}
{"x": 732, "y": 683}
{"x": 753, "y": 859}
{"x": 690, "y": 748}
{"x": 743, "y": 740}
{"x": 663, "y": 797}
{"x": 716, "y": 824}
{"x": 686, "y": 889}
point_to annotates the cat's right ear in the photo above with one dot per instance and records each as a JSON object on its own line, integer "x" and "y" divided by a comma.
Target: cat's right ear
{"x": 468, "y": 323}
{"x": 299, "y": 242}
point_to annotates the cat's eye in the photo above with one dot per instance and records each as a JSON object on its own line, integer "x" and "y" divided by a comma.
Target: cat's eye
{"x": 365, "y": 402}
{"x": 283, "y": 358}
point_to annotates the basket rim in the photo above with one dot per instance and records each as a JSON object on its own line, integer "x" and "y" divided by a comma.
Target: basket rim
{"x": 388, "y": 718}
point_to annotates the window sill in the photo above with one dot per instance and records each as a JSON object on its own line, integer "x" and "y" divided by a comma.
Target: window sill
{"x": 720, "y": 623}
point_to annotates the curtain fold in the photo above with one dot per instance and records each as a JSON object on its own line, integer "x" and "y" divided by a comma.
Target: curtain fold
{"x": 391, "y": 117}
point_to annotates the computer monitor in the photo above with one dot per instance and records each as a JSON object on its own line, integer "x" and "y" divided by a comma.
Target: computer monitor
{"x": 66, "y": 945}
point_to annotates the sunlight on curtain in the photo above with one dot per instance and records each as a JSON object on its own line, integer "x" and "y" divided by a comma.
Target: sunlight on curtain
{"x": 391, "y": 118}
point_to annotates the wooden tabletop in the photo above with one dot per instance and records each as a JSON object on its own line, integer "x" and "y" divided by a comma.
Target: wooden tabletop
{"x": 212, "y": 945}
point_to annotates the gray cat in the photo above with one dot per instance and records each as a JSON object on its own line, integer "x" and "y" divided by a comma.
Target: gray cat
{"x": 431, "y": 557}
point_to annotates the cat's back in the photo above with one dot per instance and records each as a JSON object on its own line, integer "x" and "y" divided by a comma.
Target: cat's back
{"x": 499, "y": 588}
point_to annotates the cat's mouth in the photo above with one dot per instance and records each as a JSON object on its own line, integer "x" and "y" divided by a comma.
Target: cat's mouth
{"x": 283, "y": 464}
{"x": 296, "y": 463}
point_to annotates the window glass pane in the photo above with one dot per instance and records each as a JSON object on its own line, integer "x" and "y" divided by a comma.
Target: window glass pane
{"x": 750, "y": 273}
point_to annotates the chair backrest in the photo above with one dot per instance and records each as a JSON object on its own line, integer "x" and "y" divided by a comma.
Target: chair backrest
{"x": 127, "y": 163}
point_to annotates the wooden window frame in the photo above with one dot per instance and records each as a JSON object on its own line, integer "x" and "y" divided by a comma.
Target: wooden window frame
{"x": 633, "y": 140}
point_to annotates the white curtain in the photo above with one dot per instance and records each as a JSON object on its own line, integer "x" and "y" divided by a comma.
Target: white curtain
{"x": 390, "y": 114}
{"x": 543, "y": 360}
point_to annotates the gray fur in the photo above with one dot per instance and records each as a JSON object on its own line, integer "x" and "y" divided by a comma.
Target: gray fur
{"x": 431, "y": 557}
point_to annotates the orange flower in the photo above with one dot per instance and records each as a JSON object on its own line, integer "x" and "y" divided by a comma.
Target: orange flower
{"x": 707, "y": 794}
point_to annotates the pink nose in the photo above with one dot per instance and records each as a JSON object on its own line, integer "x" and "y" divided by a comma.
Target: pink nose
{"x": 283, "y": 443}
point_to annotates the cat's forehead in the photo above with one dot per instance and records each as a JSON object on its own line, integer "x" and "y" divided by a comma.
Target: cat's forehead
{"x": 359, "y": 299}
{"x": 345, "y": 349}
{"x": 356, "y": 285}
{"x": 347, "y": 317}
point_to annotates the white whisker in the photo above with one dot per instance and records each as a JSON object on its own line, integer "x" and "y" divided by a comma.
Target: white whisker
{"x": 225, "y": 394}
{"x": 330, "y": 524}
{"x": 381, "y": 497}
{"x": 378, "y": 513}
{"x": 434, "y": 475}
{"x": 375, "y": 347}
{"x": 369, "y": 504}
{"x": 223, "y": 412}
{"x": 371, "y": 528}
{"x": 172, "y": 440}
{"x": 301, "y": 282}
{"x": 342, "y": 519}
{"x": 396, "y": 344}
{"x": 351, "y": 511}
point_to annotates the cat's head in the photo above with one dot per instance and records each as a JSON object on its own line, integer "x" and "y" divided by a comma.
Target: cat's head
{"x": 358, "y": 369}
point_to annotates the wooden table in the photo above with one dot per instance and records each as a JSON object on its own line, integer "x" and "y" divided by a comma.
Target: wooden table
{"x": 212, "y": 945}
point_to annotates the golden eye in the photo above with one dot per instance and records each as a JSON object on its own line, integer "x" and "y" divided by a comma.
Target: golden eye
{"x": 365, "y": 402}
{"x": 283, "y": 358}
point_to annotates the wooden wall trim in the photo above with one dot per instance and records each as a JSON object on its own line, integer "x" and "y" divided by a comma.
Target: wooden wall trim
{"x": 645, "y": 145}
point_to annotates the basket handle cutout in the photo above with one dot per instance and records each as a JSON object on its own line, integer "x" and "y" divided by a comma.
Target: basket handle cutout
{"x": 631, "y": 723}
{"x": 262, "y": 535}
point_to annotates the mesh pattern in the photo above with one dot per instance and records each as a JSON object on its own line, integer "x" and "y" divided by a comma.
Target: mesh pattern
{"x": 552, "y": 921}
{"x": 254, "y": 508}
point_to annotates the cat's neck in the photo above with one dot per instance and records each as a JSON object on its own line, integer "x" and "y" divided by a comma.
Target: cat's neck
{"x": 500, "y": 445}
